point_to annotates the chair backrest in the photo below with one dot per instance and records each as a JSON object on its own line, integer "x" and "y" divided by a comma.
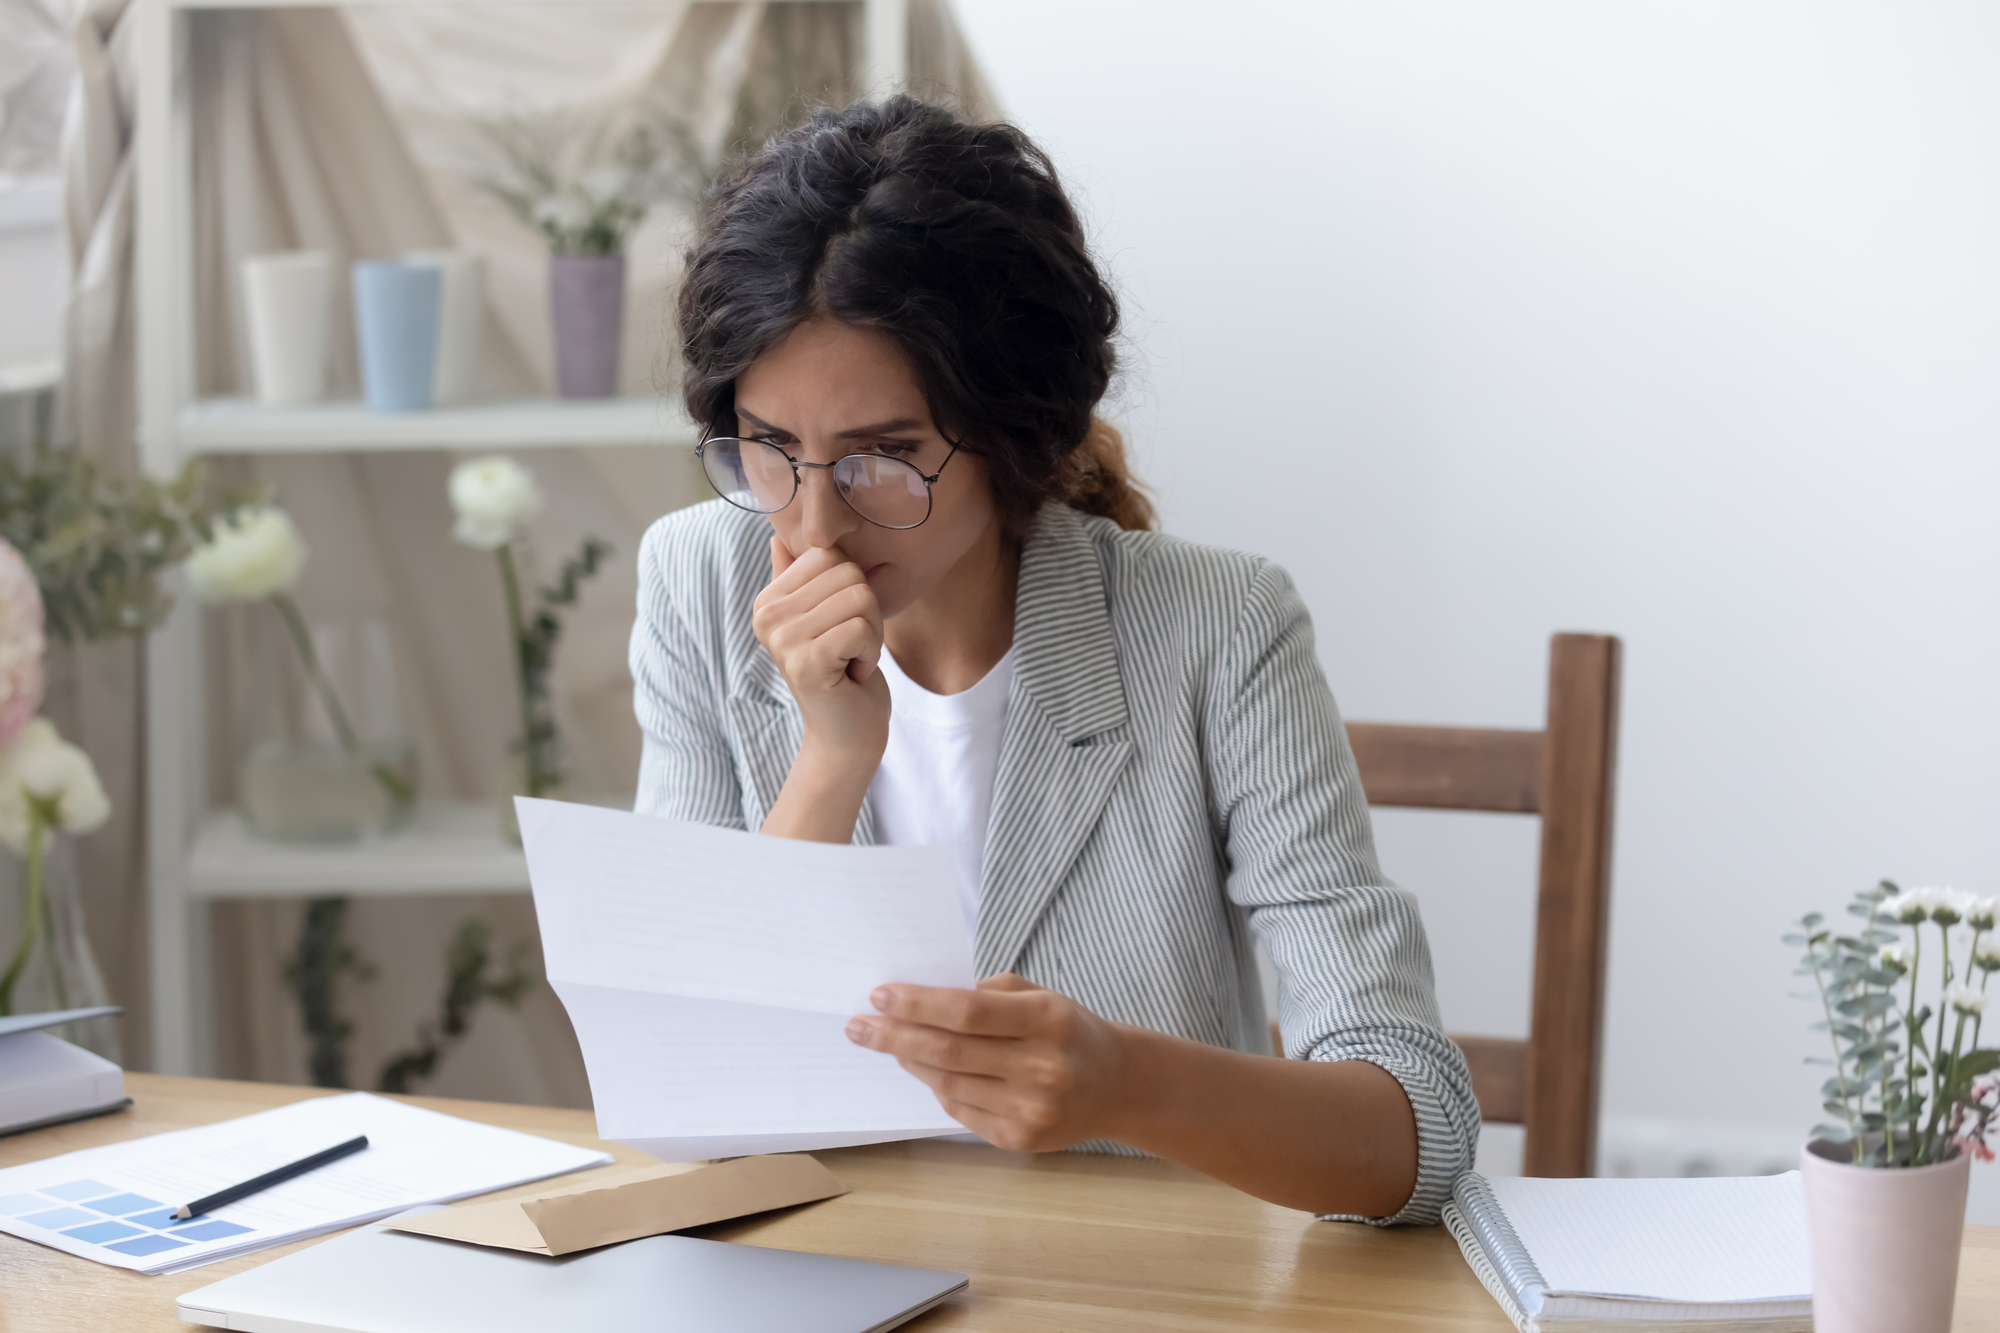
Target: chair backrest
{"x": 1548, "y": 1083}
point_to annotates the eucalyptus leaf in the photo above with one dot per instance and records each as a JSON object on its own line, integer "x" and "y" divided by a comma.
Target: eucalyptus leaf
{"x": 99, "y": 543}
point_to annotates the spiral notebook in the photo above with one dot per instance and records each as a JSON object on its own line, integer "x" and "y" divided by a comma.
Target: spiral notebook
{"x": 1639, "y": 1256}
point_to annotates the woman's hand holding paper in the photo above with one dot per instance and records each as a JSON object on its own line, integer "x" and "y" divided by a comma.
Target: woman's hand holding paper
{"x": 1023, "y": 1067}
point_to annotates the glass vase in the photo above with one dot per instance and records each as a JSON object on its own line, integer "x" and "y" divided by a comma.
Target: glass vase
{"x": 60, "y": 971}
{"x": 320, "y": 769}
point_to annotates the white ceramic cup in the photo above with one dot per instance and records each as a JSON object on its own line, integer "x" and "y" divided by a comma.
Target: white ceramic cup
{"x": 460, "y": 322}
{"x": 287, "y": 301}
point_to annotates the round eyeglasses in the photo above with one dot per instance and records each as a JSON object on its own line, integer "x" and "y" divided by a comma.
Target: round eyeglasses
{"x": 763, "y": 478}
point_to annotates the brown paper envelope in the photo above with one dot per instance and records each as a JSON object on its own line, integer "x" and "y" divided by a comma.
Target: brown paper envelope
{"x": 646, "y": 1202}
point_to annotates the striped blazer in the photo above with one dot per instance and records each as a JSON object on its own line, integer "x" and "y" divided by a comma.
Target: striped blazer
{"x": 1173, "y": 777}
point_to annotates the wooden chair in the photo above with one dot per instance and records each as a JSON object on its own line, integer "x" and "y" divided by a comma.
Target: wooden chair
{"x": 1548, "y": 1083}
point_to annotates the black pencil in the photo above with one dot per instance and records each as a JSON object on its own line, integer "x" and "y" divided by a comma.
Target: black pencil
{"x": 270, "y": 1178}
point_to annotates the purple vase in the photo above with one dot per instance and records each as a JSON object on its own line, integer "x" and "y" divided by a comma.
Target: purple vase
{"x": 587, "y": 302}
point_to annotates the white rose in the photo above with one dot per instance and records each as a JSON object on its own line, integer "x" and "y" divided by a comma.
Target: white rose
{"x": 254, "y": 554}
{"x": 1965, "y": 1000}
{"x": 41, "y": 764}
{"x": 493, "y": 498}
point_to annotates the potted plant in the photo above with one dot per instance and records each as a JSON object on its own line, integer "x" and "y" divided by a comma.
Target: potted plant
{"x": 585, "y": 188}
{"x": 1912, "y": 1098}
{"x": 83, "y": 555}
{"x": 48, "y": 787}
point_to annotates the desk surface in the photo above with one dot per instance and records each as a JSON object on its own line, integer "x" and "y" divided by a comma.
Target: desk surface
{"x": 1064, "y": 1241}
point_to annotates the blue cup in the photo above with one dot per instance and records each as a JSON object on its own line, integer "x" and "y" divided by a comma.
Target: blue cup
{"x": 396, "y": 313}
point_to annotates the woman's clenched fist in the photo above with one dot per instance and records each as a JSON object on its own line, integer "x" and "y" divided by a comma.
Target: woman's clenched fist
{"x": 819, "y": 620}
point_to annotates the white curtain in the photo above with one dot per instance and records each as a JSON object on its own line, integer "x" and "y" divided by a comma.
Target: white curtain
{"x": 348, "y": 131}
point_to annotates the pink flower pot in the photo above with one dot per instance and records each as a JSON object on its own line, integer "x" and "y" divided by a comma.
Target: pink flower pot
{"x": 587, "y": 305}
{"x": 1884, "y": 1242}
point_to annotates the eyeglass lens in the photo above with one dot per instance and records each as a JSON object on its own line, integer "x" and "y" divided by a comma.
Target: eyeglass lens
{"x": 759, "y": 477}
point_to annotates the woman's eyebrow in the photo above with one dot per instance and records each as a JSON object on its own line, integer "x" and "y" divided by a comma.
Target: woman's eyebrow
{"x": 858, "y": 432}
{"x": 762, "y": 424}
{"x": 881, "y": 428}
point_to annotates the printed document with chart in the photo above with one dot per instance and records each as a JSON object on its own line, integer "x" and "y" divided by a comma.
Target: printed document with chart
{"x": 710, "y": 974}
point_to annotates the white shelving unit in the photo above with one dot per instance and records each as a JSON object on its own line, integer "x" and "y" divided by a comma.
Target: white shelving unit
{"x": 196, "y": 856}
{"x": 236, "y": 425}
{"x": 444, "y": 849}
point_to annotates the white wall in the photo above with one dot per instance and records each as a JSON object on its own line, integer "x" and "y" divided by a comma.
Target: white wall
{"x": 34, "y": 268}
{"x": 1678, "y": 320}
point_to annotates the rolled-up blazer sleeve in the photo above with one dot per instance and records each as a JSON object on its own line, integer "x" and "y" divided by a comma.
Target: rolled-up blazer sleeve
{"x": 1354, "y": 967}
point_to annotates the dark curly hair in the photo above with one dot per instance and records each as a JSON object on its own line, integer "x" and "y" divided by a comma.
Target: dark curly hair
{"x": 954, "y": 240}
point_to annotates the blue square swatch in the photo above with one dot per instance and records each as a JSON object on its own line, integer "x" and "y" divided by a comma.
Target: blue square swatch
{"x": 211, "y": 1231}
{"x": 142, "y": 1246}
{"x": 57, "y": 1218}
{"x": 122, "y": 1204}
{"x": 16, "y": 1204}
{"x": 76, "y": 1190}
{"x": 98, "y": 1233}
{"x": 164, "y": 1219}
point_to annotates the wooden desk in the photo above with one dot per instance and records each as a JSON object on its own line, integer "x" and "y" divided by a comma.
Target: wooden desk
{"x": 1069, "y": 1242}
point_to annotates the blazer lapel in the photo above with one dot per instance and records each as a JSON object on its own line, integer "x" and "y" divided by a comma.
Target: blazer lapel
{"x": 1063, "y": 750}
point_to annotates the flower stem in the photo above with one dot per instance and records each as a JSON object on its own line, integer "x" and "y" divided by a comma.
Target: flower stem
{"x": 1911, "y": 1031}
{"x": 1985, "y": 975}
{"x": 1938, "y": 1060}
{"x": 517, "y": 626}
{"x": 31, "y": 910}
{"x": 392, "y": 782}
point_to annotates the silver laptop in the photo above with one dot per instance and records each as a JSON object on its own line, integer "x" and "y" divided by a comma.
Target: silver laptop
{"x": 378, "y": 1281}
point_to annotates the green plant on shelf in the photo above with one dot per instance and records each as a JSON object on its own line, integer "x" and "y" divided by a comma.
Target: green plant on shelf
{"x": 324, "y": 957}
{"x": 99, "y": 543}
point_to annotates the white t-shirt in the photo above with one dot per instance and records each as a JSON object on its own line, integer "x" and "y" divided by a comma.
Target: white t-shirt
{"x": 935, "y": 785}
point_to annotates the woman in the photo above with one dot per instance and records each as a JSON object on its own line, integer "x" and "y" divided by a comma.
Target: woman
{"x": 895, "y": 338}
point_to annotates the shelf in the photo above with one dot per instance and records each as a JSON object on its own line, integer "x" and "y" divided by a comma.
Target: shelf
{"x": 444, "y": 849}
{"x": 242, "y": 426}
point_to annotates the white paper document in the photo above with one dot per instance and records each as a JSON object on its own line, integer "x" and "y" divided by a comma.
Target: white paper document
{"x": 710, "y": 974}
{"x": 113, "y": 1203}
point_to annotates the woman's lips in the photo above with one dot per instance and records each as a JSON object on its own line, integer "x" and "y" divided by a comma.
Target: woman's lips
{"x": 871, "y": 571}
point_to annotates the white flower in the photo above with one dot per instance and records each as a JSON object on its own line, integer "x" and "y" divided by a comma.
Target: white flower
{"x": 42, "y": 765}
{"x": 493, "y": 497}
{"x": 563, "y": 212}
{"x": 1987, "y": 955}
{"x": 1981, "y": 913}
{"x": 1912, "y": 907}
{"x": 254, "y": 554}
{"x": 1965, "y": 1000}
{"x": 606, "y": 183}
{"x": 1950, "y": 906}
{"x": 1896, "y": 957}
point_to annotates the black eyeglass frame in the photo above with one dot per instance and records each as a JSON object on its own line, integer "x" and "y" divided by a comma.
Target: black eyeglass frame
{"x": 930, "y": 499}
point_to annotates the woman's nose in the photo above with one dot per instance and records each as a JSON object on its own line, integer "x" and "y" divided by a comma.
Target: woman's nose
{"x": 824, "y": 517}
